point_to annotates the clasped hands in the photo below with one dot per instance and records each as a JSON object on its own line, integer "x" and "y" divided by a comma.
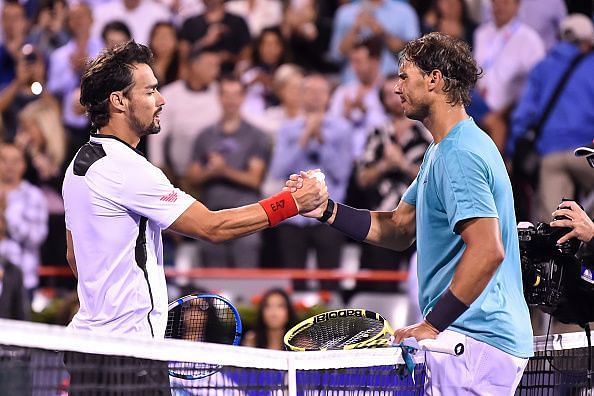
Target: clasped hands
{"x": 309, "y": 191}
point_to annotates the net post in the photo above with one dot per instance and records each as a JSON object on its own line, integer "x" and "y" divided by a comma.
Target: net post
{"x": 291, "y": 376}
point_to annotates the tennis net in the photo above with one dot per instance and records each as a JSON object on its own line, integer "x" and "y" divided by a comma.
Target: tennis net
{"x": 37, "y": 359}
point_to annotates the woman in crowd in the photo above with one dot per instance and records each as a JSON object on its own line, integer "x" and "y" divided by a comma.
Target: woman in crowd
{"x": 276, "y": 316}
{"x": 164, "y": 44}
{"x": 268, "y": 53}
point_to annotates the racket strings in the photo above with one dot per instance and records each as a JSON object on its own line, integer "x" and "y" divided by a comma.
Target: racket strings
{"x": 336, "y": 333}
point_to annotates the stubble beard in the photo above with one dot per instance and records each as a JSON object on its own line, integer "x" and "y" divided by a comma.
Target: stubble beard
{"x": 142, "y": 129}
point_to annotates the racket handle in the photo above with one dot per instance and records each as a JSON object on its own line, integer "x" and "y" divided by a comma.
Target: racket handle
{"x": 451, "y": 347}
{"x": 456, "y": 348}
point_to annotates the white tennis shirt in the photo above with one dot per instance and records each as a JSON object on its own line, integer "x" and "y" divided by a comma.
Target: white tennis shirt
{"x": 116, "y": 205}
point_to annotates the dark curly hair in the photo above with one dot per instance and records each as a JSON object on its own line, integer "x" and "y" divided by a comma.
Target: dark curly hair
{"x": 111, "y": 71}
{"x": 452, "y": 57}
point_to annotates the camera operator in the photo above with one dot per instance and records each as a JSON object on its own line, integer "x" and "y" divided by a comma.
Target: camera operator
{"x": 578, "y": 220}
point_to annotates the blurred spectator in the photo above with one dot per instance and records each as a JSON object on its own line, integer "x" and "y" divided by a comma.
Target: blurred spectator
{"x": 230, "y": 160}
{"x": 449, "y": 17}
{"x": 396, "y": 22}
{"x": 42, "y": 138}
{"x": 507, "y": 50}
{"x": 191, "y": 105}
{"x": 13, "y": 297}
{"x": 391, "y": 160}
{"x": 115, "y": 33}
{"x": 218, "y": 29}
{"x": 139, "y": 15}
{"x": 571, "y": 119}
{"x": 65, "y": 68}
{"x": 14, "y": 31}
{"x": 275, "y": 317}
{"x": 28, "y": 85}
{"x": 25, "y": 212}
{"x": 49, "y": 30}
{"x": 358, "y": 101}
{"x": 14, "y": 303}
{"x": 314, "y": 140}
{"x": 287, "y": 84}
{"x": 544, "y": 16}
{"x": 258, "y": 14}
{"x": 165, "y": 46}
{"x": 268, "y": 53}
{"x": 307, "y": 29}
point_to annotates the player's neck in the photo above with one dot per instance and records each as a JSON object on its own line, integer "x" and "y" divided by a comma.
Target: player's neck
{"x": 443, "y": 118}
{"x": 122, "y": 132}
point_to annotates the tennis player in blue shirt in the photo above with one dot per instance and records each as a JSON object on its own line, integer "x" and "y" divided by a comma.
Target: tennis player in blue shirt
{"x": 460, "y": 211}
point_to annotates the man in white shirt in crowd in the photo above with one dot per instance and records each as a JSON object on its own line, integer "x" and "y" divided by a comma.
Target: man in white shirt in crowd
{"x": 507, "y": 50}
{"x": 139, "y": 15}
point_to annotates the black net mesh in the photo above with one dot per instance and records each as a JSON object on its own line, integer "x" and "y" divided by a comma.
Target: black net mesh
{"x": 561, "y": 372}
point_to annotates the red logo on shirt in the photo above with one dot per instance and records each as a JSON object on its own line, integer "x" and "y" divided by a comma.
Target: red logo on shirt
{"x": 172, "y": 197}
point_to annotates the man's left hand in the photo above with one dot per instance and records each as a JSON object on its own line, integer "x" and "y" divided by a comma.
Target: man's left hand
{"x": 420, "y": 331}
{"x": 576, "y": 219}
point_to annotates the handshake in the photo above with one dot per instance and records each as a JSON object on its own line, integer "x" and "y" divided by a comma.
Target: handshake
{"x": 309, "y": 191}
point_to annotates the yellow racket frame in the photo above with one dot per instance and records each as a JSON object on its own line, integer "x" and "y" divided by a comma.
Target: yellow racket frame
{"x": 380, "y": 340}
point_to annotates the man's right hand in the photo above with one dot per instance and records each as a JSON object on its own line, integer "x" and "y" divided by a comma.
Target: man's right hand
{"x": 310, "y": 193}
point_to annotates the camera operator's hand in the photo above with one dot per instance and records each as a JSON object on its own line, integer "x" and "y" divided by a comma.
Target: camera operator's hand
{"x": 578, "y": 220}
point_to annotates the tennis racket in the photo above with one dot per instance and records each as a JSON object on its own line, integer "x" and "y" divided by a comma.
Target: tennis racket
{"x": 353, "y": 329}
{"x": 203, "y": 318}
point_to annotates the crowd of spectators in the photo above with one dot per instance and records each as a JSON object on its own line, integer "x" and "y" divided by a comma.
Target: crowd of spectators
{"x": 258, "y": 89}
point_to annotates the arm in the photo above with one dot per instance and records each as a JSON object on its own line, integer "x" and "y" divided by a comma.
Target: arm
{"x": 70, "y": 253}
{"x": 394, "y": 230}
{"x": 483, "y": 255}
{"x": 251, "y": 177}
{"x": 219, "y": 226}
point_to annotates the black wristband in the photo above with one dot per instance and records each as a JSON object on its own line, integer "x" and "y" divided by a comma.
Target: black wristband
{"x": 353, "y": 222}
{"x": 328, "y": 212}
{"x": 446, "y": 311}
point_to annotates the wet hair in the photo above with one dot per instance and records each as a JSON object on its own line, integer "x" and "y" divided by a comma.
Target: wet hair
{"x": 111, "y": 71}
{"x": 260, "y": 328}
{"x": 452, "y": 57}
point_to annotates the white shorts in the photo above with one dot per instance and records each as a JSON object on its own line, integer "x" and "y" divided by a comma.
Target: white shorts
{"x": 481, "y": 370}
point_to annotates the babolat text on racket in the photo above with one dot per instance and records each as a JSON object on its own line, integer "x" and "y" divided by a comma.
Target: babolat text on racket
{"x": 203, "y": 318}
